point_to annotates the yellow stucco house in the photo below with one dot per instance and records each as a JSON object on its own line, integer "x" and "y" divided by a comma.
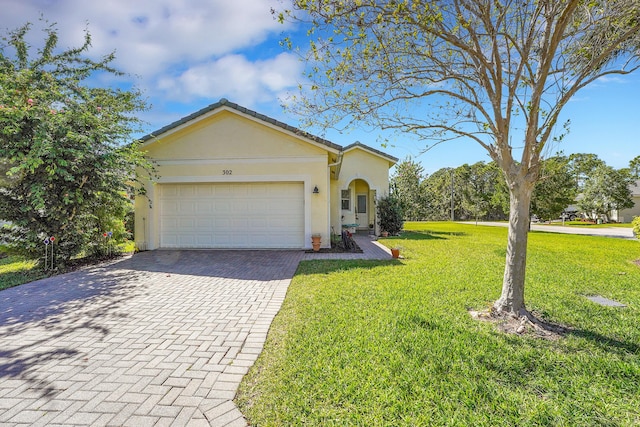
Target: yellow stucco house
{"x": 233, "y": 178}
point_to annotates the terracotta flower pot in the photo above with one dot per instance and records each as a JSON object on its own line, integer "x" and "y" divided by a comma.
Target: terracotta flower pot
{"x": 315, "y": 242}
{"x": 385, "y": 234}
{"x": 395, "y": 252}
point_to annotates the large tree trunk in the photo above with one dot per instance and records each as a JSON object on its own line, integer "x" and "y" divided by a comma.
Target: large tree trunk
{"x": 511, "y": 302}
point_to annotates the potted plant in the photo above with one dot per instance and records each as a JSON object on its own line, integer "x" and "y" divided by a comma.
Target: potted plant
{"x": 316, "y": 240}
{"x": 395, "y": 251}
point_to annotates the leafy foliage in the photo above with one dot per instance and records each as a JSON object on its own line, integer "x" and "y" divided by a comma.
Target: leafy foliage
{"x": 390, "y": 214}
{"x": 437, "y": 188}
{"x": 634, "y": 167}
{"x": 555, "y": 190}
{"x": 582, "y": 166}
{"x": 478, "y": 192}
{"x": 480, "y": 183}
{"x": 606, "y": 190}
{"x": 405, "y": 185}
{"x": 70, "y": 167}
{"x": 636, "y": 226}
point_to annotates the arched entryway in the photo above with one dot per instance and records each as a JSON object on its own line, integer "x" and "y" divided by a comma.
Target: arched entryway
{"x": 358, "y": 204}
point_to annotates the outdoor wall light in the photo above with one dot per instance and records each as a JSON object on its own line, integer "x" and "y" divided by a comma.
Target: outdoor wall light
{"x": 315, "y": 190}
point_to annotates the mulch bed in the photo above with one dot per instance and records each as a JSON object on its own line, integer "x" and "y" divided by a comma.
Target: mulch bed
{"x": 337, "y": 248}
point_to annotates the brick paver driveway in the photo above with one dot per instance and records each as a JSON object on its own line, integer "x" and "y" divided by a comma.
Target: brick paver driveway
{"x": 162, "y": 338}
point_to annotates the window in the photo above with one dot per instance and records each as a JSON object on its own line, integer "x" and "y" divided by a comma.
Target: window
{"x": 346, "y": 200}
{"x": 361, "y": 204}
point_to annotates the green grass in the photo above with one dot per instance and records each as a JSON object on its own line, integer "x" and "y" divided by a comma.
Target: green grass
{"x": 391, "y": 343}
{"x": 15, "y": 270}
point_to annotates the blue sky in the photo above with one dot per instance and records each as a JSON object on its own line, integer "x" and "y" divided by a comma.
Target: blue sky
{"x": 187, "y": 54}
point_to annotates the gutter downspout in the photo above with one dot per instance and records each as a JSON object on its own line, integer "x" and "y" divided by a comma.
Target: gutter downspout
{"x": 337, "y": 164}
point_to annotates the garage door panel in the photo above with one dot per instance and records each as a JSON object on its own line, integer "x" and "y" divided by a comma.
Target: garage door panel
{"x": 238, "y": 224}
{"x": 277, "y": 223}
{"x": 204, "y": 207}
{"x": 170, "y": 207}
{"x": 239, "y": 206}
{"x": 204, "y": 239}
{"x": 220, "y": 224}
{"x": 232, "y": 215}
{"x": 204, "y": 224}
{"x": 185, "y": 191}
{"x": 204, "y": 191}
{"x": 170, "y": 191}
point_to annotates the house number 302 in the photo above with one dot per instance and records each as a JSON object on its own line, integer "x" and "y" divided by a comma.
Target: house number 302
{"x": 226, "y": 172}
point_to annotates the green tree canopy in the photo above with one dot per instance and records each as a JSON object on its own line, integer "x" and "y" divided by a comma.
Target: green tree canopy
{"x": 437, "y": 188}
{"x": 478, "y": 183}
{"x": 582, "y": 166}
{"x": 405, "y": 186}
{"x": 70, "y": 165}
{"x": 606, "y": 190}
{"x": 634, "y": 167}
{"x": 555, "y": 190}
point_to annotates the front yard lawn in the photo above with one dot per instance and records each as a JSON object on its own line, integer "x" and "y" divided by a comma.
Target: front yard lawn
{"x": 391, "y": 343}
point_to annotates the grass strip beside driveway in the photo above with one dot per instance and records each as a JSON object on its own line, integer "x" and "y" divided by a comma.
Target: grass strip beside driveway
{"x": 16, "y": 270}
{"x": 381, "y": 343}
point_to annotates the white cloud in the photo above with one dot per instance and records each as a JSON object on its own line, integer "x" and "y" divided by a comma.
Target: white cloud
{"x": 197, "y": 40}
{"x": 235, "y": 77}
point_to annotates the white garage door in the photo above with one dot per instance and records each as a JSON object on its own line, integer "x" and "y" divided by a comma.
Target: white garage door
{"x": 232, "y": 215}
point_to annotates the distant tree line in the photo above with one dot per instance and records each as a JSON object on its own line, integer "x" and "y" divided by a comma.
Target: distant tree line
{"x": 479, "y": 191}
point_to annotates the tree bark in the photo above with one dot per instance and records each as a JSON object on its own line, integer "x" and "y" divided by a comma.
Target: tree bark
{"x": 511, "y": 302}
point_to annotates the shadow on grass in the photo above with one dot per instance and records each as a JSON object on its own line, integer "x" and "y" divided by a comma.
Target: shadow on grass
{"x": 604, "y": 342}
{"x": 326, "y": 266}
{"x": 607, "y": 343}
{"x": 428, "y": 235}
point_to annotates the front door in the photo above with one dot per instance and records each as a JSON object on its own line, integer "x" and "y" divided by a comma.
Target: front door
{"x": 362, "y": 211}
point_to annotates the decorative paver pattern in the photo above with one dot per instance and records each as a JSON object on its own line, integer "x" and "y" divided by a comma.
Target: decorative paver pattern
{"x": 161, "y": 338}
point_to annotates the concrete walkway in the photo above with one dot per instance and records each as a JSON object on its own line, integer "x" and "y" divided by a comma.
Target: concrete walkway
{"x": 161, "y": 338}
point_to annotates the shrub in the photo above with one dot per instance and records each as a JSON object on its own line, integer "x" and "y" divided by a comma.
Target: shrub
{"x": 636, "y": 226}
{"x": 390, "y": 214}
